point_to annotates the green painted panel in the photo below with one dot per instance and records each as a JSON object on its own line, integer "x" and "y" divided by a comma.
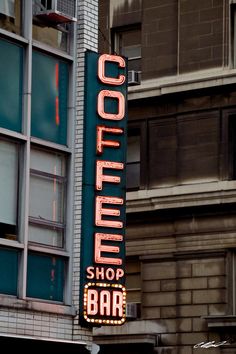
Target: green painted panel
{"x": 45, "y": 277}
{"x": 49, "y": 98}
{"x": 8, "y": 271}
{"x": 11, "y": 83}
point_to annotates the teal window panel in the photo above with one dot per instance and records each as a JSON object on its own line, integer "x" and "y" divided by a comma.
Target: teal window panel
{"x": 11, "y": 81}
{"x": 8, "y": 271}
{"x": 49, "y": 98}
{"x": 45, "y": 277}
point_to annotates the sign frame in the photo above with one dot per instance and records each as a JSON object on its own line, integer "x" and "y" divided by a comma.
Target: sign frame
{"x": 102, "y": 271}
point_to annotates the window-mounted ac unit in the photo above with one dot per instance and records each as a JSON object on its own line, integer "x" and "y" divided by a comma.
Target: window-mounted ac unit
{"x": 131, "y": 310}
{"x": 133, "y": 77}
{"x": 55, "y": 11}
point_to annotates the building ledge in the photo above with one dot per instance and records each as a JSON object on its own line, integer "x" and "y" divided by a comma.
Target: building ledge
{"x": 221, "y": 321}
{"x": 139, "y": 331}
{"x": 45, "y": 339}
{"x": 32, "y": 305}
{"x": 42, "y": 344}
{"x": 188, "y": 195}
{"x": 127, "y": 339}
{"x": 184, "y": 82}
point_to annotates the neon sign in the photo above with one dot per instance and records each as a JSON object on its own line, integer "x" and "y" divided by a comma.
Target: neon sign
{"x": 103, "y": 294}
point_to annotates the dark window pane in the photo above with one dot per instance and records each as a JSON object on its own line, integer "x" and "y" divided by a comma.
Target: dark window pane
{"x": 198, "y": 147}
{"x": 132, "y": 51}
{"x": 134, "y": 64}
{"x": 45, "y": 277}
{"x": 162, "y": 152}
{"x": 49, "y": 98}
{"x": 184, "y": 149}
{"x": 8, "y": 271}
{"x": 8, "y": 231}
{"x": 133, "y": 159}
{"x": 133, "y": 175}
{"x": 232, "y": 147}
{"x": 133, "y": 152}
{"x": 10, "y": 86}
{"x": 130, "y": 38}
{"x": 128, "y": 43}
{"x": 133, "y": 281}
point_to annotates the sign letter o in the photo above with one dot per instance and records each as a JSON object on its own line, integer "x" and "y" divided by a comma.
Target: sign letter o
{"x": 101, "y": 105}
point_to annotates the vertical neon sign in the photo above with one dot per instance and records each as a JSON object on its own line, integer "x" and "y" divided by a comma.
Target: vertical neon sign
{"x": 103, "y": 295}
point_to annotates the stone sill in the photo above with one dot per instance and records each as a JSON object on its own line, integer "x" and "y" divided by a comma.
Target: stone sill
{"x": 137, "y": 331}
{"x": 198, "y": 194}
{"x": 184, "y": 82}
{"x": 39, "y": 306}
{"x": 127, "y": 339}
{"x": 220, "y": 321}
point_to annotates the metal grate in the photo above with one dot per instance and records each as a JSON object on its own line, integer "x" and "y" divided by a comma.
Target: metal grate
{"x": 66, "y": 7}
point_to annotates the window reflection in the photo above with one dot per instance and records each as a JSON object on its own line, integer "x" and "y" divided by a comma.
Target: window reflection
{"x": 10, "y": 15}
{"x": 49, "y": 98}
{"x": 47, "y": 195}
{"x": 8, "y": 189}
{"x": 55, "y": 37}
{"x": 133, "y": 160}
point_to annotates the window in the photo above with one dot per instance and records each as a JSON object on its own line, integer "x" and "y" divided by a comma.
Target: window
{"x": 10, "y": 15}
{"x": 184, "y": 149}
{"x": 8, "y": 189}
{"x": 47, "y": 196}
{"x": 36, "y": 228}
{"x": 133, "y": 287}
{"x": 136, "y": 161}
{"x": 50, "y": 25}
{"x": 232, "y": 145}
{"x": 9, "y": 271}
{"x": 49, "y": 98}
{"x": 45, "y": 277}
{"x": 233, "y": 32}
{"x": 127, "y": 42}
{"x": 133, "y": 159}
{"x": 11, "y": 80}
{"x": 133, "y": 281}
{"x": 55, "y": 37}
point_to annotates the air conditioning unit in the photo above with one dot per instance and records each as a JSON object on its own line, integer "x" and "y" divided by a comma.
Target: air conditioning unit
{"x": 55, "y": 11}
{"x": 131, "y": 310}
{"x": 133, "y": 77}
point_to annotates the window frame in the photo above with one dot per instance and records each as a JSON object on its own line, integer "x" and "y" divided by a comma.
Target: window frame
{"x": 232, "y": 34}
{"x": 116, "y": 32}
{"x": 25, "y": 140}
{"x": 226, "y": 154}
{"x": 46, "y": 223}
{"x": 18, "y": 148}
{"x": 138, "y": 272}
{"x": 38, "y": 134}
{"x": 142, "y": 127}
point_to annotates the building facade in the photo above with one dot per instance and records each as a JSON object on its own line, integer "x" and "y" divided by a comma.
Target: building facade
{"x": 181, "y": 230}
{"x": 42, "y": 45}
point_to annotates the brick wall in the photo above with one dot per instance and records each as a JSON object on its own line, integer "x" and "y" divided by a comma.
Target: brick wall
{"x": 200, "y": 34}
{"x": 87, "y": 39}
{"x": 177, "y": 36}
{"x": 178, "y": 294}
{"x": 159, "y": 38}
{"x": 39, "y": 323}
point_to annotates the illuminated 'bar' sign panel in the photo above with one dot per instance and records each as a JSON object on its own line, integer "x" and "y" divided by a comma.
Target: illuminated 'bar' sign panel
{"x": 103, "y": 294}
